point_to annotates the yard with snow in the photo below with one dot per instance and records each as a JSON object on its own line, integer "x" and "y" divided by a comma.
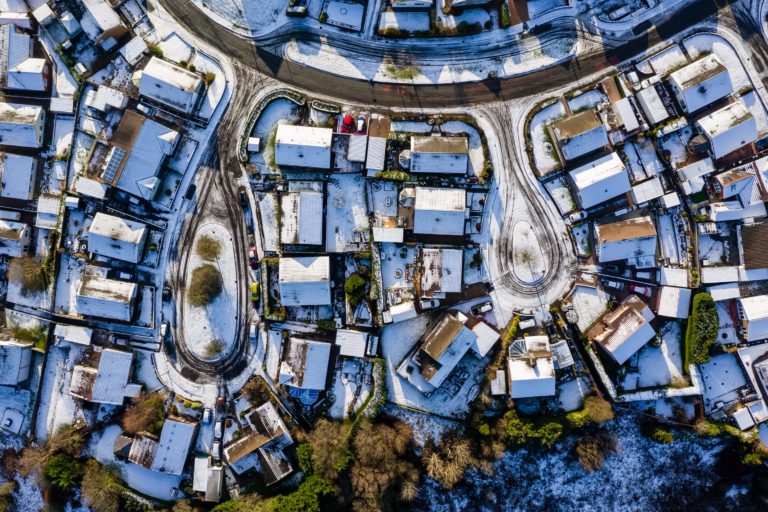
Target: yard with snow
{"x": 346, "y": 218}
{"x": 544, "y": 153}
{"x": 662, "y": 366}
{"x": 589, "y": 304}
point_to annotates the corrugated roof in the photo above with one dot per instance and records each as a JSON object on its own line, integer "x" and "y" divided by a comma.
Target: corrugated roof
{"x": 377, "y": 149}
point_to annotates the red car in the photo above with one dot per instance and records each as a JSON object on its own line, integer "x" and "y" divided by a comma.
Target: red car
{"x": 641, "y": 290}
{"x": 347, "y": 124}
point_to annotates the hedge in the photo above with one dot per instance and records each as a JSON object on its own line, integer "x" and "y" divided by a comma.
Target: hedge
{"x": 702, "y": 330}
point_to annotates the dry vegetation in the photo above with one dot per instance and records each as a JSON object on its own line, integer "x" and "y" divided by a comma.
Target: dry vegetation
{"x": 146, "y": 415}
{"x": 206, "y": 285}
{"x": 592, "y": 449}
{"x": 208, "y": 248}
{"x": 29, "y": 273}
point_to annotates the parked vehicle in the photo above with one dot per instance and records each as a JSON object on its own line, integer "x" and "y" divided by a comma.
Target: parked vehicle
{"x": 217, "y": 430}
{"x": 163, "y": 331}
{"x": 255, "y": 293}
{"x": 613, "y": 268}
{"x": 483, "y": 307}
{"x": 576, "y": 217}
{"x": 145, "y": 109}
{"x": 648, "y": 276}
{"x": 207, "y": 415}
{"x": 252, "y": 331}
{"x": 618, "y": 285}
{"x": 429, "y": 303}
{"x": 360, "y": 124}
{"x": 190, "y": 192}
{"x": 641, "y": 290}
{"x": 216, "y": 450}
{"x": 243, "y": 201}
{"x": 346, "y": 125}
{"x": 253, "y": 261}
{"x": 526, "y": 323}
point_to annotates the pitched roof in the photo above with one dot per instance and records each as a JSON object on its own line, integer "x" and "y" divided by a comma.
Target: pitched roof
{"x": 305, "y": 364}
{"x": 172, "y": 449}
{"x": 641, "y": 227}
{"x": 754, "y": 244}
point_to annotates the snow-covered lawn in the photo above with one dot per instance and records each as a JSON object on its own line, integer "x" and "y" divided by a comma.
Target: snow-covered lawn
{"x": 712, "y": 251}
{"x": 152, "y": 483}
{"x": 700, "y": 44}
{"x": 346, "y": 212}
{"x": 57, "y": 407}
{"x": 581, "y": 238}
{"x": 571, "y": 394}
{"x": 668, "y": 60}
{"x": 215, "y": 91}
{"x": 274, "y": 344}
{"x": 662, "y": 366}
{"x": 589, "y": 304}
{"x": 756, "y": 108}
{"x": 268, "y": 218}
{"x": 677, "y": 145}
{"x": 529, "y": 261}
{"x": 259, "y": 16}
{"x": 349, "y": 381}
{"x": 544, "y": 154}
{"x": 145, "y": 370}
{"x": 424, "y": 426}
{"x": 279, "y": 110}
{"x": 175, "y": 48}
{"x": 722, "y": 377}
{"x": 15, "y": 405}
{"x": 561, "y": 195}
{"x": 216, "y": 321}
{"x": 469, "y": 16}
{"x": 539, "y": 7}
{"x": 68, "y": 280}
{"x": 726, "y": 333}
{"x": 404, "y": 20}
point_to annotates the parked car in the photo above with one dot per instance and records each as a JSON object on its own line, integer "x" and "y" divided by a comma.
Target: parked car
{"x": 576, "y": 217}
{"x": 526, "y": 322}
{"x": 145, "y": 109}
{"x": 483, "y": 307}
{"x": 217, "y": 430}
{"x": 613, "y": 268}
{"x": 243, "y": 201}
{"x": 360, "y": 124}
{"x": 429, "y": 303}
{"x": 252, "y": 331}
{"x": 253, "y": 261}
{"x": 346, "y": 125}
{"x": 618, "y": 285}
{"x": 216, "y": 450}
{"x": 641, "y": 290}
{"x": 163, "y": 331}
{"x": 190, "y": 192}
{"x": 255, "y": 293}
{"x": 207, "y": 415}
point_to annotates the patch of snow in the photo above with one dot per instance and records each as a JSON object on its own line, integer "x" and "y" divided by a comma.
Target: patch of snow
{"x": 346, "y": 212}
{"x": 589, "y": 304}
{"x": 544, "y": 153}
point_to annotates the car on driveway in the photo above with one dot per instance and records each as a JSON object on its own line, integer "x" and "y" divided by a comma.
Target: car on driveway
{"x": 482, "y": 308}
{"x": 347, "y": 124}
{"x": 255, "y": 293}
{"x": 253, "y": 260}
{"x": 217, "y": 430}
{"x": 641, "y": 290}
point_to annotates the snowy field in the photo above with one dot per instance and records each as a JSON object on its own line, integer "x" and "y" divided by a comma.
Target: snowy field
{"x": 254, "y": 16}
{"x": 346, "y": 212}
{"x": 571, "y": 394}
{"x": 529, "y": 262}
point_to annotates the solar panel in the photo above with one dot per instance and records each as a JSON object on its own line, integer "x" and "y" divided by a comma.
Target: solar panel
{"x": 113, "y": 164}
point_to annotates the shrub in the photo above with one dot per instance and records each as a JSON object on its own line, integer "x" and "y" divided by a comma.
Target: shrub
{"x": 155, "y": 50}
{"x": 208, "y": 248}
{"x": 447, "y": 463}
{"x": 504, "y": 19}
{"x": 62, "y": 471}
{"x": 393, "y": 175}
{"x": 144, "y": 415}
{"x": 323, "y": 17}
{"x": 702, "y": 330}
{"x": 102, "y": 487}
{"x": 6, "y": 495}
{"x": 326, "y": 324}
{"x": 522, "y": 431}
{"x": 307, "y": 498}
{"x": 592, "y": 450}
{"x": 304, "y": 454}
{"x": 707, "y": 429}
{"x": 355, "y": 289}
{"x": 209, "y": 77}
{"x": 214, "y": 348}
{"x": 206, "y": 285}
{"x": 656, "y": 433}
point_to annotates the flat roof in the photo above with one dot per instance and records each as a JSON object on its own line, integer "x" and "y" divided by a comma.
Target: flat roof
{"x": 439, "y": 144}
{"x": 303, "y": 136}
{"x": 117, "y": 228}
{"x": 725, "y": 119}
{"x": 440, "y": 199}
{"x": 755, "y": 308}
{"x": 576, "y": 124}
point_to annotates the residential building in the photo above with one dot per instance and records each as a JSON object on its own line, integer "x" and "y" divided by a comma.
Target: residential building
{"x": 21, "y": 125}
{"x": 169, "y": 85}
{"x": 117, "y": 238}
{"x": 48, "y": 208}
{"x": 624, "y": 331}
{"x": 304, "y": 368}
{"x": 728, "y": 129}
{"x": 400, "y": 312}
{"x": 305, "y": 281}
{"x": 105, "y": 98}
{"x": 701, "y": 83}
{"x": 134, "y": 50}
{"x": 176, "y": 438}
{"x": 106, "y": 298}
{"x": 303, "y": 146}
{"x": 647, "y": 191}
{"x": 653, "y": 108}
{"x": 19, "y": 71}
{"x": 693, "y": 175}
{"x": 531, "y": 372}
{"x": 411, "y": 4}
{"x": 754, "y": 325}
{"x": 741, "y": 193}
{"x": 600, "y": 180}
{"x": 439, "y": 211}
{"x": 633, "y": 240}
{"x": 302, "y": 215}
{"x": 579, "y": 134}
{"x": 18, "y": 175}
{"x": 110, "y": 28}
{"x": 673, "y": 302}
{"x": 15, "y": 361}
{"x": 439, "y": 155}
{"x": 14, "y": 238}
{"x": 626, "y": 116}
{"x": 73, "y": 334}
{"x": 440, "y": 272}
{"x": 753, "y": 246}
{"x": 351, "y": 343}
{"x": 103, "y": 377}
{"x": 207, "y": 479}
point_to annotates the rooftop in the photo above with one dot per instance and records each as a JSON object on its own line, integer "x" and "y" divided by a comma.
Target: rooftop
{"x": 641, "y": 227}
{"x": 96, "y": 287}
{"x": 725, "y": 119}
{"x": 576, "y": 124}
{"x": 754, "y": 242}
{"x": 439, "y": 144}
{"x": 698, "y": 72}
{"x": 303, "y": 136}
{"x": 440, "y": 199}
{"x": 305, "y": 364}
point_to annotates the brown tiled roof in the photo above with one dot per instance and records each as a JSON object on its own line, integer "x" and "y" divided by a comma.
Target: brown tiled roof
{"x": 441, "y": 336}
{"x": 626, "y": 230}
{"x": 754, "y": 243}
{"x": 576, "y": 124}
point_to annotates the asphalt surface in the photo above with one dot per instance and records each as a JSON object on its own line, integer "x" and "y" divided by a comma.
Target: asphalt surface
{"x": 259, "y": 56}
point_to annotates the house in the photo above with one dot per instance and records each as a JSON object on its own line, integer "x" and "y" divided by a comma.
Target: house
{"x": 18, "y": 175}
{"x": 116, "y": 238}
{"x": 754, "y": 361}
{"x": 305, "y": 368}
{"x": 647, "y": 191}
{"x": 105, "y": 98}
{"x": 700, "y": 83}
{"x": 106, "y": 298}
{"x": 19, "y": 71}
{"x": 142, "y": 450}
{"x": 207, "y": 479}
{"x": 262, "y": 446}
{"x": 21, "y": 125}
{"x": 531, "y": 372}
{"x": 579, "y": 134}
{"x": 103, "y": 377}
{"x": 668, "y": 276}
{"x": 15, "y": 361}
{"x": 600, "y": 180}
{"x": 440, "y": 350}
{"x": 439, "y": 155}
{"x": 134, "y": 50}
{"x": 138, "y": 150}
{"x": 653, "y": 108}
{"x": 626, "y": 116}
{"x": 693, "y": 175}
{"x": 48, "y": 208}
{"x": 728, "y": 129}
{"x": 176, "y": 438}
{"x": 439, "y": 211}
{"x": 440, "y": 272}
{"x": 633, "y": 240}
{"x": 302, "y": 214}
{"x": 305, "y": 281}
{"x": 108, "y": 23}
{"x": 624, "y": 331}
{"x": 741, "y": 195}
{"x": 754, "y": 325}
{"x": 73, "y": 334}
{"x": 14, "y": 238}
{"x": 351, "y": 343}
{"x": 169, "y": 85}
{"x": 753, "y": 246}
{"x": 303, "y": 146}
{"x": 400, "y": 312}
{"x": 673, "y": 302}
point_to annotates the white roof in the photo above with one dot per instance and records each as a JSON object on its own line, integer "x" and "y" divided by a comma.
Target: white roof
{"x": 652, "y": 105}
{"x": 729, "y": 128}
{"x": 105, "y": 298}
{"x": 19, "y": 125}
{"x": 133, "y": 50}
{"x": 527, "y": 381}
{"x": 755, "y": 308}
{"x": 117, "y": 238}
{"x": 357, "y": 148}
{"x": 47, "y": 212}
{"x": 441, "y": 271}
{"x": 304, "y": 136}
{"x": 105, "y": 17}
{"x": 112, "y": 376}
{"x": 377, "y": 147}
{"x": 439, "y": 211}
{"x": 669, "y": 276}
{"x": 394, "y": 235}
{"x": 629, "y": 330}
{"x": 173, "y": 447}
{"x": 623, "y": 108}
{"x": 670, "y": 200}
{"x": 403, "y": 311}
{"x": 106, "y": 97}
{"x": 74, "y": 334}
{"x": 91, "y": 188}
{"x": 305, "y": 281}
{"x": 200, "y": 474}
{"x": 305, "y": 364}
{"x": 697, "y": 169}
{"x": 487, "y": 337}
{"x": 439, "y": 154}
{"x": 303, "y": 146}
{"x": 170, "y": 84}
{"x": 674, "y": 302}
{"x": 714, "y": 275}
{"x": 727, "y": 291}
{"x": 647, "y": 190}
{"x": 600, "y": 180}
{"x": 351, "y": 343}
{"x": 743, "y": 418}
{"x": 17, "y": 176}
{"x": 701, "y": 83}
{"x": 15, "y": 359}
{"x": 302, "y": 218}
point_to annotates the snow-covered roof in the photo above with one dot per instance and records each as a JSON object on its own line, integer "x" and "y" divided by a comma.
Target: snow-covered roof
{"x": 439, "y": 211}
{"x": 207, "y": 478}
{"x": 726, "y": 291}
{"x": 351, "y": 343}
{"x": 104, "y": 98}
{"x": 701, "y": 83}
{"x": 169, "y": 84}
{"x": 402, "y": 311}
{"x": 106, "y": 382}
{"x": 21, "y": 125}
{"x": 533, "y": 374}
{"x": 625, "y": 112}
{"x": 303, "y": 146}
{"x": 90, "y": 187}
{"x": 441, "y": 349}
{"x": 20, "y": 71}
{"x": 382, "y": 234}
{"x": 377, "y": 150}
{"x": 580, "y": 134}
{"x": 743, "y": 418}
{"x": 13, "y": 238}
{"x": 729, "y": 128}
{"x": 133, "y": 50}
{"x": 305, "y": 281}
{"x": 73, "y": 334}
{"x": 697, "y": 169}
{"x": 600, "y": 180}
{"x": 439, "y": 154}
{"x": 670, "y": 200}
{"x": 714, "y": 275}
{"x": 302, "y": 218}
{"x": 652, "y": 106}
{"x": 105, "y": 298}
{"x": 755, "y": 308}
{"x": 647, "y": 190}
{"x": 626, "y": 329}
{"x": 487, "y": 337}
{"x": 15, "y": 361}
{"x": 673, "y": 302}
{"x": 103, "y": 14}
{"x": 669, "y": 276}
{"x": 357, "y": 148}
{"x": 17, "y": 176}
{"x": 629, "y": 239}
{"x": 441, "y": 271}
{"x": 172, "y": 449}
{"x": 116, "y": 238}
{"x": 305, "y": 364}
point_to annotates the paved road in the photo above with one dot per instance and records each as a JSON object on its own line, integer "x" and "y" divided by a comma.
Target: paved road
{"x": 259, "y": 57}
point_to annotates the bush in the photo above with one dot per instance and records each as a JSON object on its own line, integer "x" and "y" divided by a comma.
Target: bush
{"x": 155, "y": 50}
{"x": 214, "y": 348}
{"x": 447, "y": 463}
{"x": 592, "y": 450}
{"x": 304, "y": 454}
{"x": 323, "y": 17}
{"x": 307, "y": 498}
{"x": 394, "y": 175}
{"x": 206, "y": 285}
{"x": 63, "y": 471}
{"x": 144, "y": 415}
{"x": 702, "y": 330}
{"x": 208, "y": 248}
{"x": 522, "y": 431}
{"x": 656, "y": 433}
{"x": 595, "y": 410}
{"x": 326, "y": 325}
{"x": 6, "y": 495}
{"x": 504, "y": 19}
{"x": 209, "y": 77}
{"x": 102, "y": 487}
{"x": 355, "y": 289}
